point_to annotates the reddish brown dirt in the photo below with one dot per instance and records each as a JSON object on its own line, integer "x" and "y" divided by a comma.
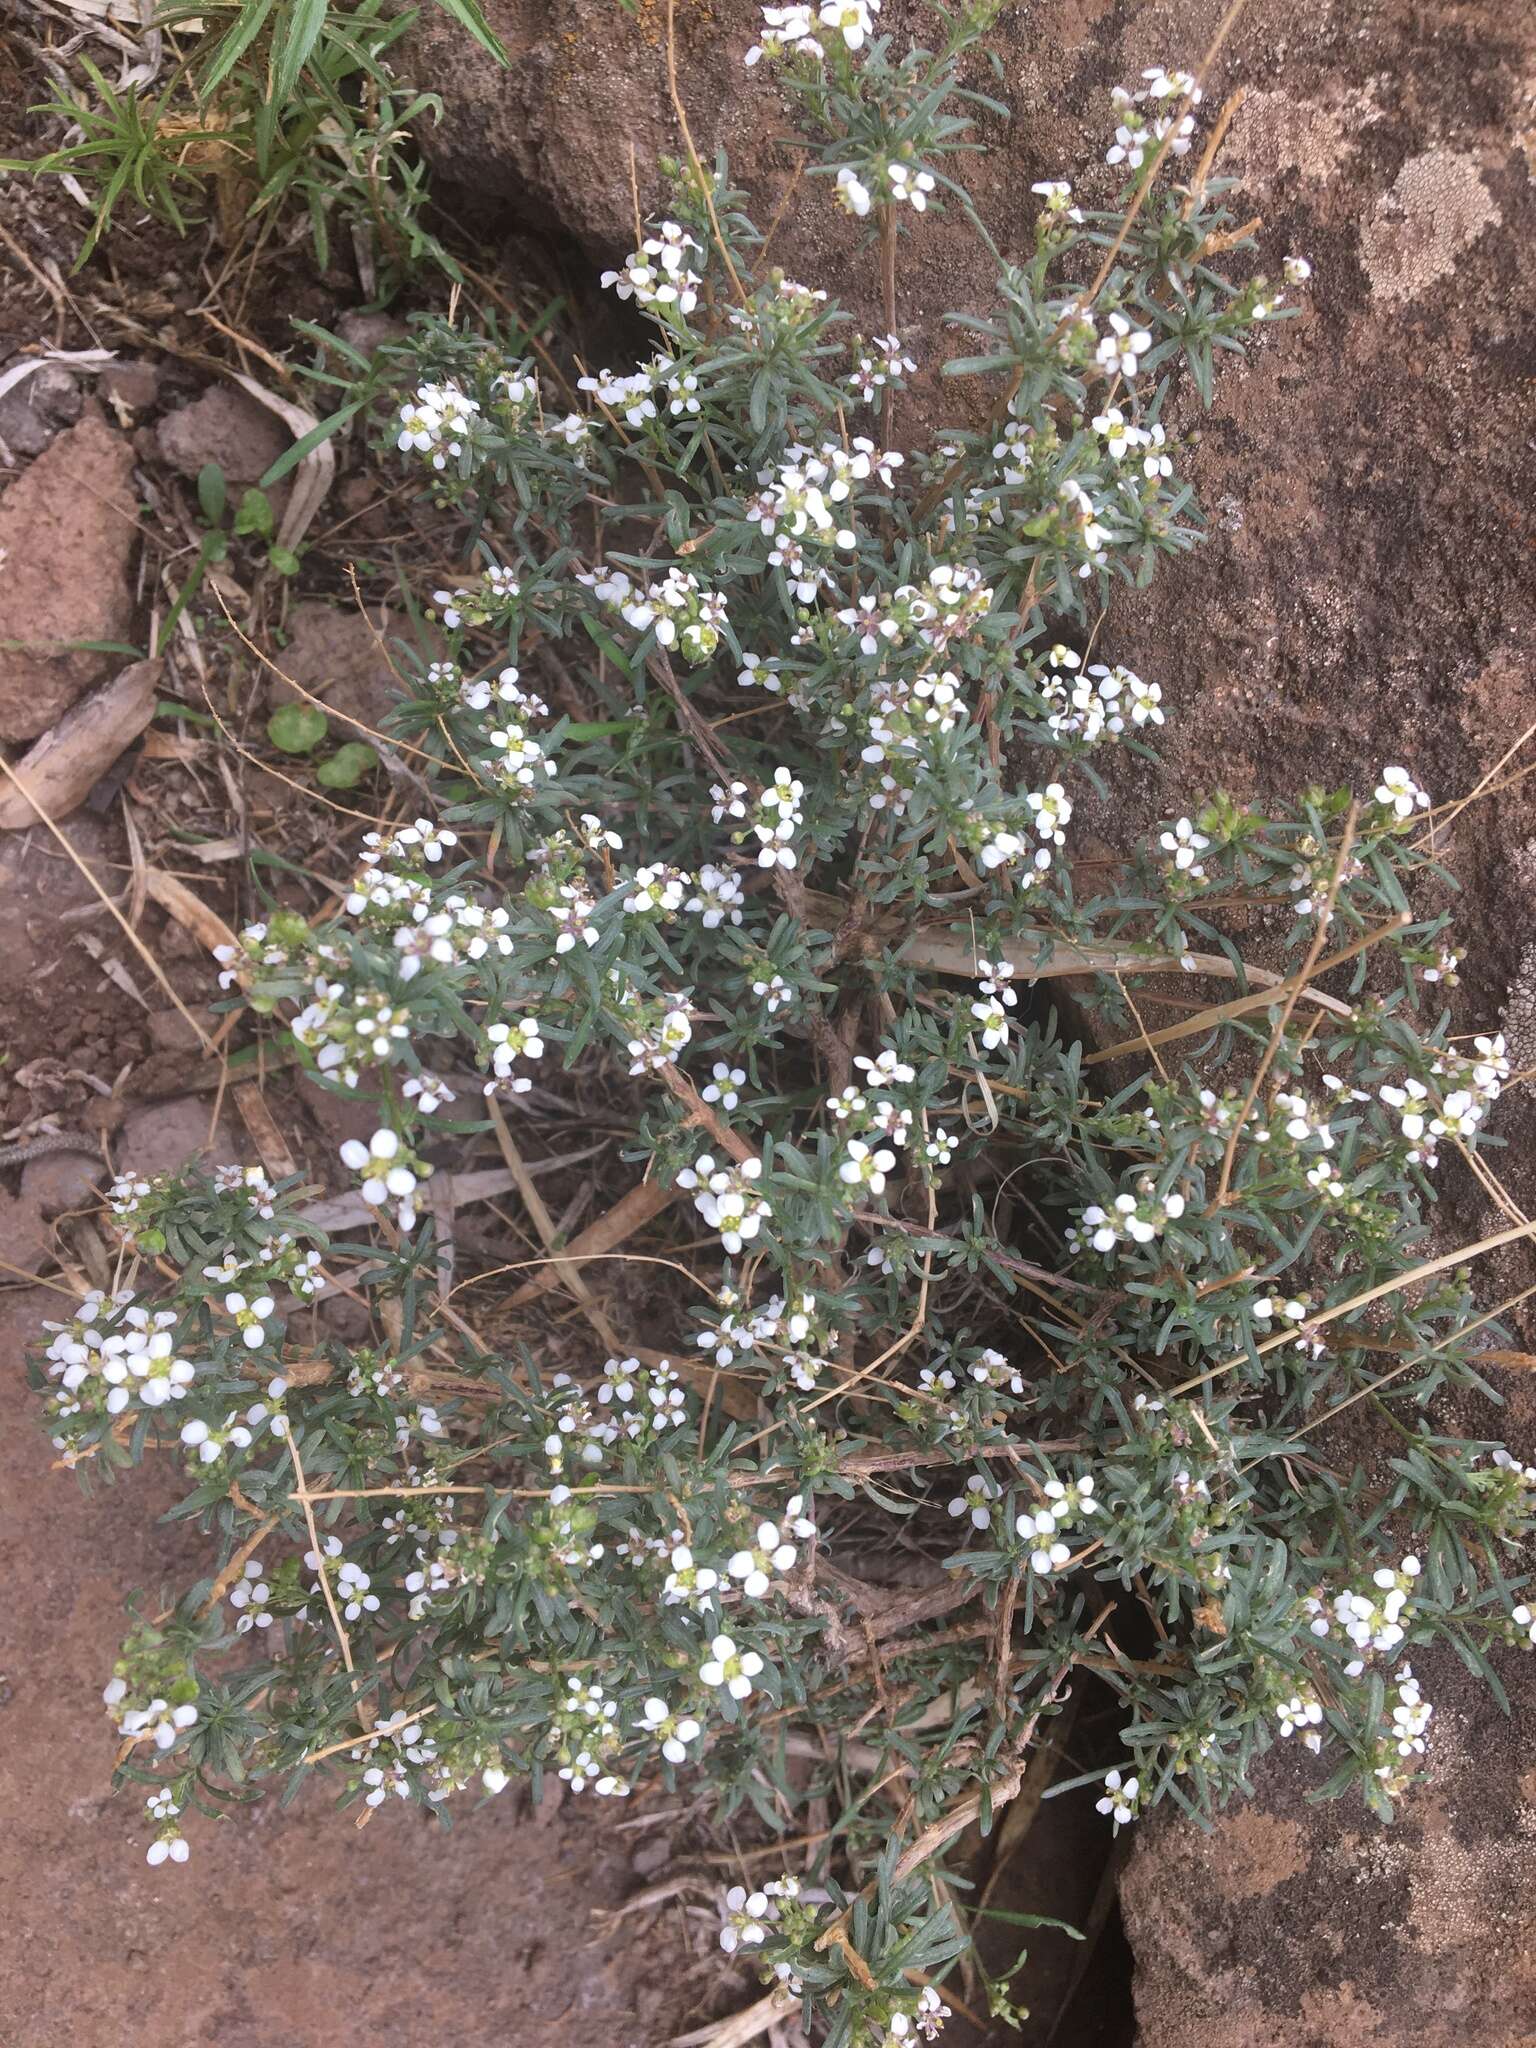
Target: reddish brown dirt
{"x": 293, "y": 1928}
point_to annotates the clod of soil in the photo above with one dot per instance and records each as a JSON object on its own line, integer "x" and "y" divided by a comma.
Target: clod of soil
{"x": 67, "y": 538}
{"x": 340, "y": 657}
{"x": 226, "y": 427}
{"x": 34, "y": 410}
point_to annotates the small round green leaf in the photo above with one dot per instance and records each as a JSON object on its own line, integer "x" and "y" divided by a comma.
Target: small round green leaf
{"x": 297, "y": 728}
{"x": 346, "y": 768}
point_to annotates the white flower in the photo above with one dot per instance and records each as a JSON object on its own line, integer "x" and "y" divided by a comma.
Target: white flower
{"x": 791, "y": 28}
{"x": 771, "y": 1553}
{"x": 746, "y": 1917}
{"x": 1411, "y": 1715}
{"x": 1185, "y": 844}
{"x": 1304, "y": 1714}
{"x": 1123, "y": 347}
{"x": 1053, "y": 809}
{"x": 756, "y": 671}
{"x": 862, "y": 1167}
{"x": 1409, "y": 1101}
{"x": 1399, "y": 793}
{"x": 518, "y": 1041}
{"x": 250, "y": 1597}
{"x": 1297, "y": 270}
{"x": 726, "y": 1198}
{"x": 671, "y": 1732}
{"x": 852, "y": 195}
{"x": 688, "y": 1582}
{"x": 724, "y": 1087}
{"x": 1121, "y": 1798}
{"x": 250, "y": 1316}
{"x": 976, "y": 1501}
{"x": 886, "y": 1069}
{"x": 910, "y": 184}
{"x": 379, "y": 1161}
{"x": 352, "y": 1588}
{"x": 1057, "y": 194}
{"x": 853, "y": 19}
{"x": 993, "y": 1019}
{"x": 729, "y": 1667}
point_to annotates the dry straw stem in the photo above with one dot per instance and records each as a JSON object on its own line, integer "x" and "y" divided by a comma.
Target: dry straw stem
{"x": 271, "y": 1145}
{"x": 368, "y": 1735}
{"x": 304, "y": 1497}
{"x": 1295, "y": 985}
{"x": 942, "y": 952}
{"x": 313, "y": 477}
{"x": 699, "y": 1112}
{"x": 777, "y": 2009}
{"x": 1402, "y": 1281}
{"x": 189, "y": 911}
{"x": 1521, "y": 1360}
{"x": 59, "y": 770}
{"x": 238, "y": 1562}
{"x": 693, "y": 157}
{"x": 1258, "y": 999}
{"x": 569, "y": 1272}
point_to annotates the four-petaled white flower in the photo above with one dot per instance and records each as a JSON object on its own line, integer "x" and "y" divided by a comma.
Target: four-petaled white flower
{"x": 731, "y": 1668}
{"x": 250, "y": 1316}
{"x": 1121, "y": 1798}
{"x": 746, "y": 1919}
{"x": 673, "y": 1732}
{"x": 1399, "y": 793}
{"x": 1122, "y": 349}
{"x": 1186, "y": 845}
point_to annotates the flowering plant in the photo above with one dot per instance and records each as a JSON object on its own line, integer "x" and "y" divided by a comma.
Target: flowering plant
{"x": 756, "y": 742}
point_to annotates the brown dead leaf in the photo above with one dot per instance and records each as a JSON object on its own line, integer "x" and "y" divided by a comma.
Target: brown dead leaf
{"x": 265, "y": 1135}
{"x": 178, "y": 901}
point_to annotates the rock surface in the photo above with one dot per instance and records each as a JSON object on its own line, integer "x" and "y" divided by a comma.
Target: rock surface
{"x": 67, "y": 537}
{"x": 34, "y": 410}
{"x": 1294, "y": 1925}
{"x": 160, "y": 1137}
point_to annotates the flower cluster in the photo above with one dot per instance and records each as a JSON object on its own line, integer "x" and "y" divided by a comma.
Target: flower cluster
{"x": 660, "y": 276}
{"x": 675, "y": 608}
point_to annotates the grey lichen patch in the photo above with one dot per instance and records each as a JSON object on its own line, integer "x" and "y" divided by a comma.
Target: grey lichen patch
{"x": 1437, "y": 207}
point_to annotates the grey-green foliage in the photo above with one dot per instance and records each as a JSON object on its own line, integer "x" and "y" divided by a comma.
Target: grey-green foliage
{"x": 782, "y": 857}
